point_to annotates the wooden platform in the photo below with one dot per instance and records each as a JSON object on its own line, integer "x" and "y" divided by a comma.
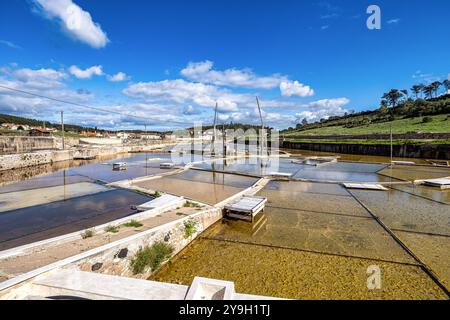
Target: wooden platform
{"x": 245, "y": 208}
{"x": 166, "y": 165}
{"x": 365, "y": 186}
{"x": 280, "y": 174}
{"x": 443, "y": 183}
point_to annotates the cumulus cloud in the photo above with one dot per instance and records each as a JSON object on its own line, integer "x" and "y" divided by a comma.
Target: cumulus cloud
{"x": 86, "y": 73}
{"x": 204, "y": 72}
{"x": 328, "y": 103}
{"x": 323, "y": 109}
{"x": 75, "y": 21}
{"x": 295, "y": 88}
{"x": 48, "y": 82}
{"x": 120, "y": 76}
{"x": 181, "y": 91}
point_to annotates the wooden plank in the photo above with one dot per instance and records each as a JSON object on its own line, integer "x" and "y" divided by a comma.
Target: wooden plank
{"x": 365, "y": 186}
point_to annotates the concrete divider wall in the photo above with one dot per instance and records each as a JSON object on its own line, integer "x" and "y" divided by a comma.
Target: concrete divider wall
{"x": 15, "y": 144}
{"x": 378, "y": 136}
{"x": 116, "y": 259}
{"x": 426, "y": 151}
{"x": 14, "y": 161}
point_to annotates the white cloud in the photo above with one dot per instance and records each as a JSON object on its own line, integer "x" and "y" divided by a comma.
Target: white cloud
{"x": 181, "y": 91}
{"x": 295, "y": 88}
{"x": 75, "y": 21}
{"x": 10, "y": 44}
{"x": 204, "y": 72}
{"x": 325, "y": 27}
{"x": 328, "y": 103}
{"x": 323, "y": 109}
{"x": 86, "y": 73}
{"x": 393, "y": 21}
{"x": 48, "y": 82}
{"x": 120, "y": 76}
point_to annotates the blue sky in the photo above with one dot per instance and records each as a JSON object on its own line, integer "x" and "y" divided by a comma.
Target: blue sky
{"x": 171, "y": 61}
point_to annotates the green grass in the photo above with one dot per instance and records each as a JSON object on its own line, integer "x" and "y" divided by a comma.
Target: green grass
{"x": 369, "y": 141}
{"x": 152, "y": 257}
{"x": 112, "y": 229}
{"x": 189, "y": 204}
{"x": 438, "y": 123}
{"x": 67, "y": 134}
{"x": 190, "y": 227}
{"x": 133, "y": 224}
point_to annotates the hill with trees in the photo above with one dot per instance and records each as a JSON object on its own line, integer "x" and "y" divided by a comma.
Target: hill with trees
{"x": 424, "y": 108}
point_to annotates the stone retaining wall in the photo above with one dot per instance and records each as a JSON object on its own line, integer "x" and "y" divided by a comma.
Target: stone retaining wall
{"x": 378, "y": 136}
{"x": 116, "y": 260}
{"x": 426, "y": 151}
{"x": 17, "y": 144}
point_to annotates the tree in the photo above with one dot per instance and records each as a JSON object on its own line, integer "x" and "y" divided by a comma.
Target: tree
{"x": 304, "y": 122}
{"x": 417, "y": 89}
{"x": 435, "y": 86}
{"x": 428, "y": 91}
{"x": 446, "y": 84}
{"x": 392, "y": 97}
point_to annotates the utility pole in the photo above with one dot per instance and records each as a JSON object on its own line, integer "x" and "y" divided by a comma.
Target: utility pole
{"x": 145, "y": 134}
{"x": 262, "y": 141}
{"x": 62, "y": 129}
{"x": 213, "y": 151}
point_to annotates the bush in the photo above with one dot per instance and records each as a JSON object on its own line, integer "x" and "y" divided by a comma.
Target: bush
{"x": 151, "y": 257}
{"x": 87, "y": 234}
{"x": 427, "y": 119}
{"x": 190, "y": 227}
{"x": 189, "y": 204}
{"x": 112, "y": 229}
{"x": 133, "y": 224}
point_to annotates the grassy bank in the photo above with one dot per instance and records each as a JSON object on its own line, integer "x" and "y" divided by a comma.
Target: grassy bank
{"x": 437, "y": 123}
{"x": 368, "y": 141}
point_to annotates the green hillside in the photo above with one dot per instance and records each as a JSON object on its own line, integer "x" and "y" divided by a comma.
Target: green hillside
{"x": 438, "y": 123}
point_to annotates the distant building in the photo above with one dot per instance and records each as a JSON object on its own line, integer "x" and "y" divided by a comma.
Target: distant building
{"x": 40, "y": 132}
{"x": 91, "y": 134}
{"x": 14, "y": 127}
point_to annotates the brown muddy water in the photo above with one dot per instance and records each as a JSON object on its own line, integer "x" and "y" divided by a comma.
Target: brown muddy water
{"x": 313, "y": 240}
{"x": 317, "y": 241}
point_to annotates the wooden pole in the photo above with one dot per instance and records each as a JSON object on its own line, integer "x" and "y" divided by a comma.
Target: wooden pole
{"x": 62, "y": 130}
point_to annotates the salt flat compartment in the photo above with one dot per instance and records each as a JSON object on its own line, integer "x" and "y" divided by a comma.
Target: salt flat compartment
{"x": 294, "y": 274}
{"x": 314, "y": 202}
{"x": 27, "y": 225}
{"x": 207, "y": 187}
{"x": 405, "y": 211}
{"x": 411, "y": 173}
{"x": 312, "y": 231}
{"x": 28, "y": 198}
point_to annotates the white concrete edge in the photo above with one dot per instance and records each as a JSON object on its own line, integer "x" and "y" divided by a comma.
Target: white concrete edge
{"x": 28, "y": 275}
{"x": 23, "y": 250}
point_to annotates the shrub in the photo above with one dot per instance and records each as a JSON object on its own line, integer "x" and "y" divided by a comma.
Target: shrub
{"x": 133, "y": 224}
{"x": 112, "y": 229}
{"x": 189, "y": 204}
{"x": 190, "y": 227}
{"x": 427, "y": 119}
{"x": 87, "y": 234}
{"x": 152, "y": 257}
{"x": 156, "y": 194}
